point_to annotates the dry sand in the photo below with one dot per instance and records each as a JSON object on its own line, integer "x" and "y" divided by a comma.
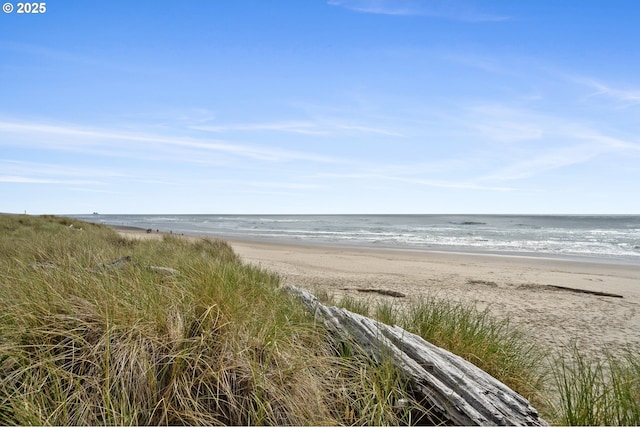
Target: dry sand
{"x": 516, "y": 287}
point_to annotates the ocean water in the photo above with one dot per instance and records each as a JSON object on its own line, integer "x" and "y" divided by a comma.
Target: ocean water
{"x": 614, "y": 238}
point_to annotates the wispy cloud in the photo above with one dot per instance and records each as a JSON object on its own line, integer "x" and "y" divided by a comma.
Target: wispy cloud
{"x": 17, "y": 167}
{"x": 305, "y": 128}
{"x": 586, "y": 145}
{"x": 543, "y": 161}
{"x": 516, "y": 144}
{"x": 91, "y": 179}
{"x": 34, "y": 180}
{"x": 626, "y": 97}
{"x": 252, "y": 184}
{"x": 464, "y": 185}
{"x": 320, "y": 127}
{"x": 119, "y": 192}
{"x": 381, "y": 7}
{"x": 368, "y": 129}
{"x": 285, "y": 185}
{"x": 443, "y": 9}
{"x": 70, "y": 137}
{"x": 477, "y": 61}
{"x": 507, "y": 124}
{"x": 197, "y": 115}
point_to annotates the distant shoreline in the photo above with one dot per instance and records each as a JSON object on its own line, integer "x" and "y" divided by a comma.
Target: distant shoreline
{"x": 408, "y": 249}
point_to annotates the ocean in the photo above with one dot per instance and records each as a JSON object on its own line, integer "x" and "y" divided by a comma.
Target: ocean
{"x": 609, "y": 238}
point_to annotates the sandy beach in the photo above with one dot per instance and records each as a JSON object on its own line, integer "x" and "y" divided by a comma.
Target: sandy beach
{"x": 521, "y": 288}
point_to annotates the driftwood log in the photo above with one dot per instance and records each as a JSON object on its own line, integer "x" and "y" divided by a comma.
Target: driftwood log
{"x": 384, "y": 292}
{"x": 458, "y": 392}
{"x": 585, "y": 291}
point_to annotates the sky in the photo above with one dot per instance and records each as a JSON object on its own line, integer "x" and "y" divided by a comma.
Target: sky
{"x": 321, "y": 107}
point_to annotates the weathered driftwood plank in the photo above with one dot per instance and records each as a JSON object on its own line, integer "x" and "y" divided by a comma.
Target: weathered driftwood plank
{"x": 459, "y": 392}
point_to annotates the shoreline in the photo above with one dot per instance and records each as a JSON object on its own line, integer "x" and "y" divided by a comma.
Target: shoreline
{"x": 536, "y": 294}
{"x": 548, "y": 256}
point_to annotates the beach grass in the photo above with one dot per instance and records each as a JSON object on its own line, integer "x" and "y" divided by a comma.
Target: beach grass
{"x": 99, "y": 329}
{"x": 598, "y": 391}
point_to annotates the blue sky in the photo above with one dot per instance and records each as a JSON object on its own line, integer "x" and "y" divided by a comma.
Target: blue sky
{"x": 321, "y": 106}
